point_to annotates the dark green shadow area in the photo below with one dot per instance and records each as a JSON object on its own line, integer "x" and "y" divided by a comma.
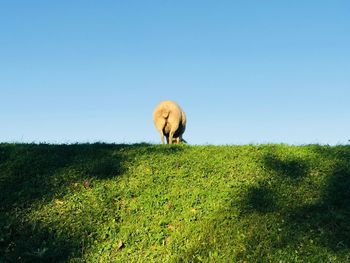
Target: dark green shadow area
{"x": 287, "y": 215}
{"x": 295, "y": 223}
{"x": 38, "y": 173}
{"x": 261, "y": 199}
{"x": 292, "y": 167}
{"x": 328, "y": 219}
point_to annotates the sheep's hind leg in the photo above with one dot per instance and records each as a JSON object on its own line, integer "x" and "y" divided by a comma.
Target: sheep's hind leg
{"x": 162, "y": 136}
{"x": 171, "y": 135}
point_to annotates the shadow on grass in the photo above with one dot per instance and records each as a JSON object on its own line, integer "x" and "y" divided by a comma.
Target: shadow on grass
{"x": 286, "y": 216}
{"x": 296, "y": 222}
{"x": 284, "y": 174}
{"x": 292, "y": 167}
{"x": 31, "y": 173}
{"x": 261, "y": 199}
{"x": 329, "y": 217}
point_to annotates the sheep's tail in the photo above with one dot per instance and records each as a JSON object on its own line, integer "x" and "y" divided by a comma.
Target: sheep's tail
{"x": 165, "y": 113}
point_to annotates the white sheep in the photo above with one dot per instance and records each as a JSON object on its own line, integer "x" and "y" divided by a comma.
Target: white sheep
{"x": 170, "y": 121}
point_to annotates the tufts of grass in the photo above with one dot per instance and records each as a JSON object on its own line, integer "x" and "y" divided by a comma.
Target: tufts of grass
{"x": 153, "y": 203}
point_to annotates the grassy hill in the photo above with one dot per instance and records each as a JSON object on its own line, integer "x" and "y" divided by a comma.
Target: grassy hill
{"x": 154, "y": 203}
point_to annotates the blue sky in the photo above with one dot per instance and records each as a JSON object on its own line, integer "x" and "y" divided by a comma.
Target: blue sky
{"x": 243, "y": 71}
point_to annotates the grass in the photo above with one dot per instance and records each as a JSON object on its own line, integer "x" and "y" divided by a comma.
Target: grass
{"x": 154, "y": 203}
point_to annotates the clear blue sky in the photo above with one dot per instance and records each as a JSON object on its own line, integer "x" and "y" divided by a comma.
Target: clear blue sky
{"x": 243, "y": 71}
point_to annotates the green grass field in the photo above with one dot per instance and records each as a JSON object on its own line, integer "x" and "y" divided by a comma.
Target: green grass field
{"x": 154, "y": 203}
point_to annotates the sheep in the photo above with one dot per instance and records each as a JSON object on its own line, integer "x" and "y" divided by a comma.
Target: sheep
{"x": 170, "y": 121}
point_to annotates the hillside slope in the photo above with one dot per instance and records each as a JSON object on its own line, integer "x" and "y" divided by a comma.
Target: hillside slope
{"x": 154, "y": 203}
